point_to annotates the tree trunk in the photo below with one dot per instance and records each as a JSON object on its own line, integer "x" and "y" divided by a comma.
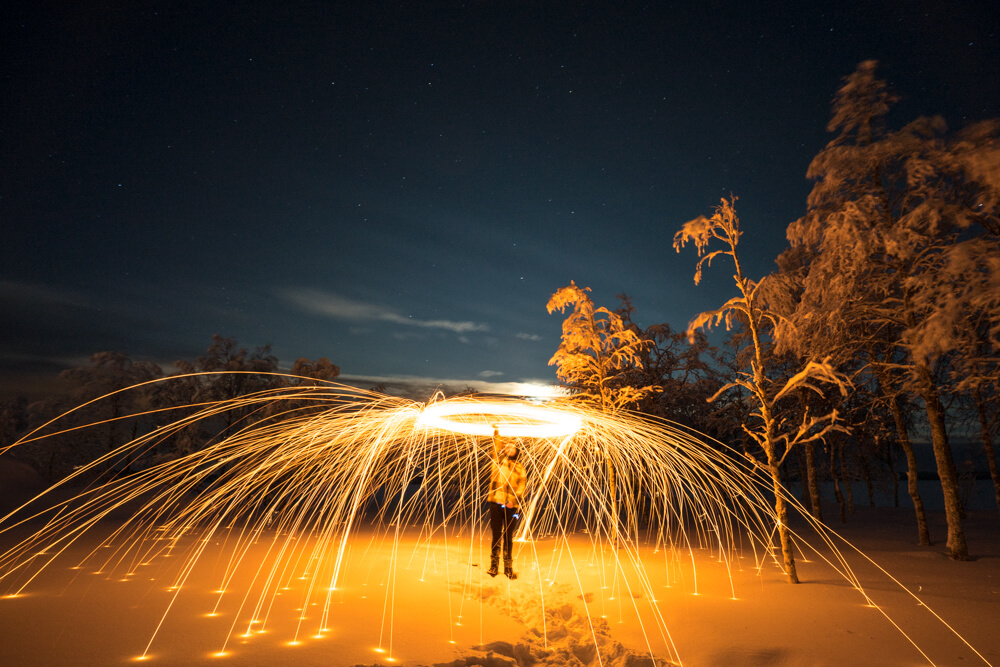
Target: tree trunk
{"x": 816, "y": 506}
{"x": 836, "y": 483}
{"x": 804, "y": 481}
{"x": 957, "y": 547}
{"x": 912, "y": 476}
{"x": 895, "y": 475}
{"x": 866, "y": 469}
{"x": 781, "y": 508}
{"x": 848, "y": 491}
{"x": 991, "y": 455}
{"x": 923, "y": 534}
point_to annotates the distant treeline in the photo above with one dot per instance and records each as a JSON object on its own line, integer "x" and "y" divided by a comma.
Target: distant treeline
{"x": 133, "y": 403}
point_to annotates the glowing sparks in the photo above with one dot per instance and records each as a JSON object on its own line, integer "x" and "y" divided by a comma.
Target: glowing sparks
{"x": 514, "y": 420}
{"x": 320, "y": 463}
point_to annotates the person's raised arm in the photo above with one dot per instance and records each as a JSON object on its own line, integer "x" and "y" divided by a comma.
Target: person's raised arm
{"x": 496, "y": 444}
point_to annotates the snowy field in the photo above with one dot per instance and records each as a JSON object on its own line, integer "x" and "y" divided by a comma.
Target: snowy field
{"x": 424, "y": 599}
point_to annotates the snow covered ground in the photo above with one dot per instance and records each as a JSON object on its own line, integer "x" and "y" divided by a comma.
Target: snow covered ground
{"x": 425, "y": 600}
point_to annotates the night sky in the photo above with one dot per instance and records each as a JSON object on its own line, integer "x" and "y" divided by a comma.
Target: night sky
{"x": 401, "y": 187}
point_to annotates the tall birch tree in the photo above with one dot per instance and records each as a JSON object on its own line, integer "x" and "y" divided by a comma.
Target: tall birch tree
{"x": 767, "y": 425}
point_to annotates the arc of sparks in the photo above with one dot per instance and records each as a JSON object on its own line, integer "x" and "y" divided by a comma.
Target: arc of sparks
{"x": 529, "y": 421}
{"x": 314, "y": 463}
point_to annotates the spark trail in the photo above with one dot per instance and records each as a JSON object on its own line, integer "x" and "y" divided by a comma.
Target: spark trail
{"x": 309, "y": 471}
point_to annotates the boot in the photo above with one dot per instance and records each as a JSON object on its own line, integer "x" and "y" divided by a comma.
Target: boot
{"x": 494, "y": 564}
{"x": 508, "y": 569}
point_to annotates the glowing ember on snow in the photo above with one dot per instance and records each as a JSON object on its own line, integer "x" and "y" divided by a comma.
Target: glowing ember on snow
{"x": 280, "y": 500}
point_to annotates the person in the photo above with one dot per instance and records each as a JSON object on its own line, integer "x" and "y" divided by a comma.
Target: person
{"x": 507, "y": 482}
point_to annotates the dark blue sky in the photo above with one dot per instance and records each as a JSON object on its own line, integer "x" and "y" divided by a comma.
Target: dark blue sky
{"x": 401, "y": 188}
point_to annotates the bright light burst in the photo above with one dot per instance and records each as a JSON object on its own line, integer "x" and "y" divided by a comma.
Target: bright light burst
{"x": 310, "y": 467}
{"x": 513, "y": 420}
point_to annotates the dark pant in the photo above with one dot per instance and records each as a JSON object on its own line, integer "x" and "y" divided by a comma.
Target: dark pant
{"x": 503, "y": 523}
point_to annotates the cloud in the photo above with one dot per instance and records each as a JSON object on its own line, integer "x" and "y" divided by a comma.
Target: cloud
{"x": 528, "y": 336}
{"x": 489, "y": 374}
{"x": 422, "y": 388}
{"x": 31, "y": 293}
{"x": 409, "y": 335}
{"x": 342, "y": 308}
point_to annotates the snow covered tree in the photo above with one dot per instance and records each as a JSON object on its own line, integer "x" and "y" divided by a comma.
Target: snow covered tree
{"x": 855, "y": 346}
{"x": 99, "y": 395}
{"x": 596, "y": 352}
{"x": 976, "y": 376}
{"x": 310, "y": 374}
{"x": 767, "y": 426}
{"x": 229, "y": 372}
{"x": 237, "y": 369}
{"x": 901, "y": 231}
{"x": 318, "y": 372}
{"x": 888, "y": 377}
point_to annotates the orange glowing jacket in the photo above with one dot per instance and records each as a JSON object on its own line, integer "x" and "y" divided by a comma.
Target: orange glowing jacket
{"x": 507, "y": 482}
